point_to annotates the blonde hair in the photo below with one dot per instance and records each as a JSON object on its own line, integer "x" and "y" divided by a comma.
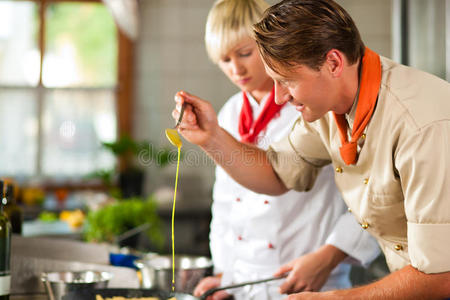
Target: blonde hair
{"x": 230, "y": 21}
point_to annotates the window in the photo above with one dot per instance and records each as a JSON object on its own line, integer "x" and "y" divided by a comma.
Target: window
{"x": 58, "y": 87}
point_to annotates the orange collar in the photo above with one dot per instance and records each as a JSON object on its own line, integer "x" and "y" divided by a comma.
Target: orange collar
{"x": 370, "y": 82}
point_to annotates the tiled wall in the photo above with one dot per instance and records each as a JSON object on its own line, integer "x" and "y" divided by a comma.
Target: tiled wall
{"x": 373, "y": 19}
{"x": 170, "y": 56}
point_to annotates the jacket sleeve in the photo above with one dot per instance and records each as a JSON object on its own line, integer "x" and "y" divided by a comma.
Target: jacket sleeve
{"x": 423, "y": 163}
{"x": 298, "y": 158}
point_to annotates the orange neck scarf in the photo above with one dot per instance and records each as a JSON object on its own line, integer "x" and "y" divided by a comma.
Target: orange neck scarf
{"x": 369, "y": 86}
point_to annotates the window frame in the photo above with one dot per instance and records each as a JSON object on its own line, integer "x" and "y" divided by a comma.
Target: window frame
{"x": 124, "y": 94}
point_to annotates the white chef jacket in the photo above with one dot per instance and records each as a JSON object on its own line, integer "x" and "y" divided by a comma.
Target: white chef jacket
{"x": 252, "y": 234}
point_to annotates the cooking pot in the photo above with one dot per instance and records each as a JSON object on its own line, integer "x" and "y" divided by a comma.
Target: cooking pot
{"x": 59, "y": 283}
{"x": 189, "y": 270}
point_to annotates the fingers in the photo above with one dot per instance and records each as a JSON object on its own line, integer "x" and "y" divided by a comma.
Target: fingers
{"x": 199, "y": 122}
{"x": 292, "y": 285}
{"x": 220, "y": 295}
{"x": 189, "y": 120}
{"x": 179, "y": 98}
{"x": 202, "y": 286}
{"x": 294, "y": 282}
{"x": 183, "y": 96}
{"x": 283, "y": 269}
{"x": 206, "y": 284}
{"x": 287, "y": 284}
{"x": 199, "y": 288}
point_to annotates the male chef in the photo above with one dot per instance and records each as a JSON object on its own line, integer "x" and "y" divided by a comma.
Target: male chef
{"x": 383, "y": 126}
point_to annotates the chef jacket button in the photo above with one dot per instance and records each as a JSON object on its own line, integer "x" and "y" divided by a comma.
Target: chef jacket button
{"x": 398, "y": 247}
{"x": 339, "y": 170}
{"x": 239, "y": 238}
{"x": 349, "y": 209}
{"x": 238, "y": 199}
{"x": 365, "y": 225}
{"x": 366, "y": 180}
{"x": 270, "y": 246}
{"x": 363, "y": 136}
{"x": 266, "y": 201}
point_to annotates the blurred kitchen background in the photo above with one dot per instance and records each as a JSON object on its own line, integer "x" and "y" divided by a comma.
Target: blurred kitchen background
{"x": 86, "y": 91}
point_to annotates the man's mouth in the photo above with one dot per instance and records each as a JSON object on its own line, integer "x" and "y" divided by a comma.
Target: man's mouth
{"x": 300, "y": 107}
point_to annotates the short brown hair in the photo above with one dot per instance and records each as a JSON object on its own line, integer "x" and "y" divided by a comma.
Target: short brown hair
{"x": 303, "y": 31}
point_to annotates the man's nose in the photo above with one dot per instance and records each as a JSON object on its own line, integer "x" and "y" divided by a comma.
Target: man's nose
{"x": 281, "y": 94}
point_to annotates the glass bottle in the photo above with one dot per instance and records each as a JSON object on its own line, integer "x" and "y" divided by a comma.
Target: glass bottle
{"x": 5, "y": 251}
{"x": 12, "y": 210}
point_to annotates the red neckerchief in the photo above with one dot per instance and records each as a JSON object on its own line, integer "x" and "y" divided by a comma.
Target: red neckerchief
{"x": 249, "y": 130}
{"x": 368, "y": 93}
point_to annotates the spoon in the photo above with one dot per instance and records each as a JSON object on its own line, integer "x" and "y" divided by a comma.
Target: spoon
{"x": 172, "y": 133}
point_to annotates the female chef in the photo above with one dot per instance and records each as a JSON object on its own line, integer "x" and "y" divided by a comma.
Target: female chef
{"x": 255, "y": 236}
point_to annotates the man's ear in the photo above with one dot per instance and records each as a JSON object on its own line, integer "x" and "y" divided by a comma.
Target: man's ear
{"x": 334, "y": 62}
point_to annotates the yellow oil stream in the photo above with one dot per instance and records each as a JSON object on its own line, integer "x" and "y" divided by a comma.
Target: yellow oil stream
{"x": 173, "y": 219}
{"x": 174, "y": 138}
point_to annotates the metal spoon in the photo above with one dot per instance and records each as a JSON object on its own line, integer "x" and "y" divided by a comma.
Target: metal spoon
{"x": 212, "y": 291}
{"x": 172, "y": 133}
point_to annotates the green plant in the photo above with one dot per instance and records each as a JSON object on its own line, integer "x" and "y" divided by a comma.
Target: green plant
{"x": 105, "y": 224}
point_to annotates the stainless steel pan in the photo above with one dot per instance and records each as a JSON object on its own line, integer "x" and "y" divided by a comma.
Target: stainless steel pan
{"x": 163, "y": 295}
{"x": 127, "y": 293}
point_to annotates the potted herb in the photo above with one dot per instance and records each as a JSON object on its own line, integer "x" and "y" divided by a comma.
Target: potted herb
{"x": 112, "y": 220}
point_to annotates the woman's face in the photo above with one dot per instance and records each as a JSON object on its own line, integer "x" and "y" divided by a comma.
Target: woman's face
{"x": 244, "y": 67}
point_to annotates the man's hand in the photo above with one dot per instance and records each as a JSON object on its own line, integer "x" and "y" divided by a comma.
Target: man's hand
{"x": 311, "y": 271}
{"x": 199, "y": 124}
{"x": 407, "y": 283}
{"x": 208, "y": 283}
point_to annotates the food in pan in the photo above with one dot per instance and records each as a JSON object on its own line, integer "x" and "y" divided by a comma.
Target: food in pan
{"x": 98, "y": 297}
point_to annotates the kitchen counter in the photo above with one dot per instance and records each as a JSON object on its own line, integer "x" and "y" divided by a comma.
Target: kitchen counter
{"x": 50, "y": 229}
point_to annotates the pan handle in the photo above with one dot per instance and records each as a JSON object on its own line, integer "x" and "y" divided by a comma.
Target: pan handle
{"x": 213, "y": 290}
